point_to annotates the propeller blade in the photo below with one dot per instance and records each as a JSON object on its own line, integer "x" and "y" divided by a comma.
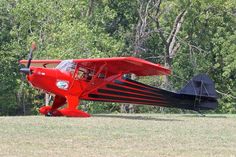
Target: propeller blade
{"x": 33, "y": 48}
{"x": 27, "y": 70}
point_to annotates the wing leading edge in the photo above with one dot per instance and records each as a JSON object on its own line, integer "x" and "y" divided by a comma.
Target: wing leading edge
{"x": 111, "y": 66}
{"x": 125, "y": 65}
{"x": 42, "y": 63}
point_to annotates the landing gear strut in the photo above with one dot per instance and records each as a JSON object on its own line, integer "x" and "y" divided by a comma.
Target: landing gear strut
{"x": 70, "y": 110}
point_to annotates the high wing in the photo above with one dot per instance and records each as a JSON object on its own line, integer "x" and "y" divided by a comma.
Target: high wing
{"x": 110, "y": 66}
{"x": 113, "y": 70}
{"x": 42, "y": 63}
{"x": 123, "y": 65}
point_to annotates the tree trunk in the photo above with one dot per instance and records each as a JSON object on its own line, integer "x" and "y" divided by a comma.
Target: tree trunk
{"x": 90, "y": 8}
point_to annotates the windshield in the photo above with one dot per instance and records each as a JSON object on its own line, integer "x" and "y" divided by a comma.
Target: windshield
{"x": 67, "y": 66}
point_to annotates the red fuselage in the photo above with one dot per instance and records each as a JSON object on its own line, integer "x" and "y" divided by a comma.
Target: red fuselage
{"x": 48, "y": 79}
{"x": 92, "y": 79}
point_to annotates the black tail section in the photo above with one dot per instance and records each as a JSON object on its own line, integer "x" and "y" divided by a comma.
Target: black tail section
{"x": 200, "y": 85}
{"x": 198, "y": 94}
{"x": 201, "y": 89}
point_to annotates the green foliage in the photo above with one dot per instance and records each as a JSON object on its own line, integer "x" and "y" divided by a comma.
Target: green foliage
{"x": 105, "y": 28}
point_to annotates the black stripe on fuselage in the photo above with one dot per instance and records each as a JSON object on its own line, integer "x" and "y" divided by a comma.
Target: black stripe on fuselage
{"x": 136, "y": 91}
{"x": 130, "y": 91}
{"x": 142, "y": 87}
{"x": 135, "y": 96}
{"x": 114, "y": 98}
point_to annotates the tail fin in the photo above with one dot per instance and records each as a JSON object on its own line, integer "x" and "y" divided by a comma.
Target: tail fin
{"x": 201, "y": 89}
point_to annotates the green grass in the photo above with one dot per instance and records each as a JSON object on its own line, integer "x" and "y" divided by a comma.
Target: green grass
{"x": 119, "y": 135}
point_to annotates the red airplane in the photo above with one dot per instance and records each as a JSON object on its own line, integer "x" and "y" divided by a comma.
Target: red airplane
{"x": 105, "y": 79}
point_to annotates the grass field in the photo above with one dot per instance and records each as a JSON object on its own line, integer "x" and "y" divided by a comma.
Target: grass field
{"x": 153, "y": 135}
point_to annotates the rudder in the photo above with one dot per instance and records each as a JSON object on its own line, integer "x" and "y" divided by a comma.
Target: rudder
{"x": 203, "y": 90}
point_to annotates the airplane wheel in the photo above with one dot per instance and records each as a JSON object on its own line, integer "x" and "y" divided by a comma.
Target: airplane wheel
{"x": 49, "y": 114}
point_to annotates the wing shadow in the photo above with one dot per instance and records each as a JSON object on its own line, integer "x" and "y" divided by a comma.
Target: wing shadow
{"x": 135, "y": 117}
{"x": 205, "y": 116}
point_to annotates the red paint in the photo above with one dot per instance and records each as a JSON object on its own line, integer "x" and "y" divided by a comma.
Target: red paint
{"x": 88, "y": 77}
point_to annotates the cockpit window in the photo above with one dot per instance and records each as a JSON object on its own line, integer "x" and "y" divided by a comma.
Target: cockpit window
{"x": 84, "y": 74}
{"x": 67, "y": 66}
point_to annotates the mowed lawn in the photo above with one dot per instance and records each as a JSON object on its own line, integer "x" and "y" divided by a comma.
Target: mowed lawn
{"x": 119, "y": 135}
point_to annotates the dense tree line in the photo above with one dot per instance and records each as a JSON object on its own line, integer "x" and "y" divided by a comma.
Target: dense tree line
{"x": 190, "y": 37}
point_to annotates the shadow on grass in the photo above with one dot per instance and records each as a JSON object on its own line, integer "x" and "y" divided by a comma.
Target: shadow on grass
{"x": 205, "y": 116}
{"x": 134, "y": 117}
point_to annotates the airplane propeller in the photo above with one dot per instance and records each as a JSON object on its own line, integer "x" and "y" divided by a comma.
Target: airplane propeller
{"x": 27, "y": 70}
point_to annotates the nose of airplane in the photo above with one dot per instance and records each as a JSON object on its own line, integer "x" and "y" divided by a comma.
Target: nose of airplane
{"x": 26, "y": 71}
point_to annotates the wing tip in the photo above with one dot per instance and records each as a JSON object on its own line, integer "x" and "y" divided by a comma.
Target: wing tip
{"x": 162, "y": 69}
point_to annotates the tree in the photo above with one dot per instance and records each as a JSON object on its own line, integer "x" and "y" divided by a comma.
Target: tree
{"x": 190, "y": 37}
